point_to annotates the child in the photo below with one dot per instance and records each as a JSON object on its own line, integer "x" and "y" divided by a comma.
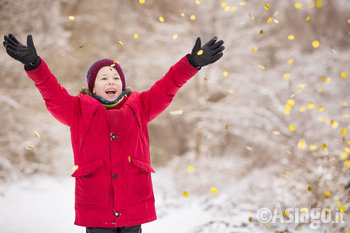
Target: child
{"x": 108, "y": 124}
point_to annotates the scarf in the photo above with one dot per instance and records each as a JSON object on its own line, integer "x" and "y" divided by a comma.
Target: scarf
{"x": 111, "y": 104}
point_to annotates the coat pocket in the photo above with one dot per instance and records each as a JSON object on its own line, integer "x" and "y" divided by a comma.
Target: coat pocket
{"x": 90, "y": 185}
{"x": 139, "y": 181}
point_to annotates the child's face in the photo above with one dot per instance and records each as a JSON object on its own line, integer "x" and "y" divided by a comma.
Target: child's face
{"x": 108, "y": 84}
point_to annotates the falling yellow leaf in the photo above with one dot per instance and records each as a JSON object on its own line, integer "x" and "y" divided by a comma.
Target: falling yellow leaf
{"x": 327, "y": 194}
{"x": 161, "y": 19}
{"x": 308, "y": 19}
{"x": 254, "y": 49}
{"x": 224, "y": 4}
{"x": 177, "y": 112}
{"x": 142, "y": 1}
{"x": 309, "y": 188}
{"x": 193, "y": 17}
{"x": 313, "y": 147}
{"x": 261, "y": 67}
{"x": 343, "y": 75}
{"x": 213, "y": 190}
{"x": 310, "y": 105}
{"x": 120, "y": 43}
{"x": 319, "y": 3}
{"x": 347, "y": 163}
{"x": 190, "y": 169}
{"x": 71, "y": 17}
{"x": 290, "y": 61}
{"x": 267, "y": 6}
{"x": 200, "y": 52}
{"x": 292, "y": 127}
{"x": 343, "y": 155}
{"x": 286, "y": 76}
{"x": 136, "y": 36}
{"x": 315, "y": 44}
{"x": 298, "y": 5}
{"x": 291, "y": 37}
{"x": 301, "y": 144}
{"x": 225, "y": 73}
{"x": 186, "y": 194}
{"x": 175, "y": 36}
{"x": 36, "y": 134}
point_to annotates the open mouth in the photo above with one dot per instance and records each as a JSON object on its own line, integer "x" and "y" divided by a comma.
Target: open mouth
{"x": 111, "y": 92}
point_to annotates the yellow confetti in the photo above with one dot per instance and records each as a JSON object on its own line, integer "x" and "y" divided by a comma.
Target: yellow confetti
{"x": 301, "y": 144}
{"x": 312, "y": 4}
{"x": 190, "y": 169}
{"x": 304, "y": 210}
{"x": 287, "y": 109}
{"x": 291, "y": 37}
{"x": 225, "y": 73}
{"x": 120, "y": 43}
{"x": 290, "y": 61}
{"x": 186, "y": 194}
{"x": 338, "y": 203}
{"x": 309, "y": 188}
{"x": 308, "y": 19}
{"x": 347, "y": 163}
{"x": 291, "y": 102}
{"x": 319, "y": 3}
{"x": 198, "y": 2}
{"x": 261, "y": 32}
{"x": 250, "y": 219}
{"x": 329, "y": 80}
{"x": 343, "y": 155}
{"x": 249, "y": 148}
{"x": 276, "y": 13}
{"x": 175, "y": 36}
{"x": 320, "y": 89}
{"x": 227, "y": 8}
{"x": 242, "y": 3}
{"x": 275, "y": 21}
{"x": 286, "y": 174}
{"x": 327, "y": 194}
{"x": 200, "y": 52}
{"x": 343, "y": 74}
{"x": 269, "y": 20}
{"x": 301, "y": 86}
{"x": 343, "y": 131}
{"x": 261, "y": 67}
{"x": 348, "y": 21}
{"x": 347, "y": 150}
{"x": 28, "y": 147}
{"x": 224, "y": 4}
{"x": 230, "y": 91}
{"x": 298, "y": 5}
{"x": 226, "y": 127}
{"x": 302, "y": 109}
{"x": 310, "y": 105}
{"x": 254, "y": 49}
{"x": 341, "y": 189}
{"x": 116, "y": 61}
{"x": 233, "y": 9}
{"x": 331, "y": 159}
{"x": 182, "y": 14}
{"x": 177, "y": 112}
{"x": 71, "y": 17}
{"x": 286, "y": 213}
{"x": 142, "y": 1}
{"x": 161, "y": 19}
{"x": 321, "y": 109}
{"x": 193, "y": 17}
{"x": 286, "y": 76}
{"x": 136, "y": 36}
{"x": 267, "y": 6}
{"x": 213, "y": 190}
{"x": 315, "y": 44}
{"x": 75, "y": 167}
{"x": 36, "y": 134}
{"x": 291, "y": 127}
{"x": 342, "y": 208}
{"x": 313, "y": 147}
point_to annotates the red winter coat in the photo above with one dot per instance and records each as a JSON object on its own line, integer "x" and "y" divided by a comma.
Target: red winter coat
{"x": 111, "y": 147}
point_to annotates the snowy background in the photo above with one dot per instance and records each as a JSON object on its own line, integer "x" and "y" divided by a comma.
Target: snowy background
{"x": 267, "y": 124}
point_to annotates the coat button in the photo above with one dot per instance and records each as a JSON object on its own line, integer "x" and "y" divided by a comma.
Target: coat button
{"x": 113, "y": 137}
{"x": 116, "y": 214}
{"x": 115, "y": 176}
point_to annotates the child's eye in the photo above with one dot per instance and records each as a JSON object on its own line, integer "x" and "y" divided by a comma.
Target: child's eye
{"x": 116, "y": 78}
{"x": 103, "y": 78}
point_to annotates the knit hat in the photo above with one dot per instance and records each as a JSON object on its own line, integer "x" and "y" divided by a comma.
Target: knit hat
{"x": 96, "y": 66}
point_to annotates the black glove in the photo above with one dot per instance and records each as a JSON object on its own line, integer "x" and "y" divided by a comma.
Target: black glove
{"x": 25, "y": 54}
{"x": 209, "y": 53}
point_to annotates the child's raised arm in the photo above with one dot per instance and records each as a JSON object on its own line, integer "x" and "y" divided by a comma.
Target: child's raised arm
{"x": 60, "y": 104}
{"x": 159, "y": 96}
